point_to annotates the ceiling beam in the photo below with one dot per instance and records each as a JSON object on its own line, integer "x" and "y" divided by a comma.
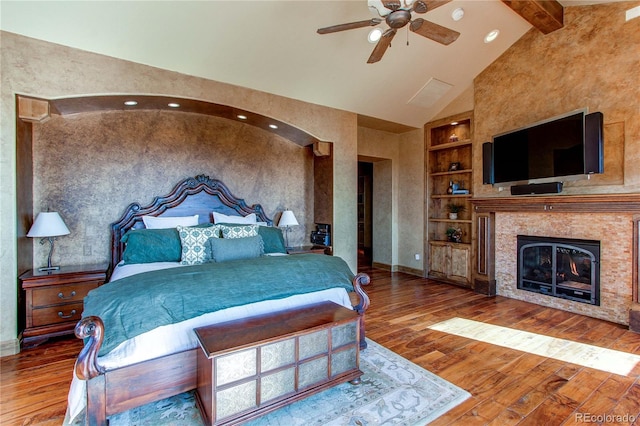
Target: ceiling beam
{"x": 545, "y": 15}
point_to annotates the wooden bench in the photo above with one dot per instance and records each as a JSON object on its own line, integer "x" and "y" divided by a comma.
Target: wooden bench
{"x": 249, "y": 367}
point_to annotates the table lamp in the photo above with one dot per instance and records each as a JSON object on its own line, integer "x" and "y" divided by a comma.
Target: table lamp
{"x": 47, "y": 226}
{"x": 287, "y": 219}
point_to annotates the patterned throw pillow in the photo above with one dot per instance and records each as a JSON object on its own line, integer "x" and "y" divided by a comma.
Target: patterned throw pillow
{"x": 194, "y": 240}
{"x": 239, "y": 231}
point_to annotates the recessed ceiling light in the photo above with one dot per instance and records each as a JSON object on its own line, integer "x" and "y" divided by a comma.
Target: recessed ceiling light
{"x": 374, "y": 35}
{"x": 492, "y": 35}
{"x": 130, "y": 103}
{"x": 173, "y": 105}
{"x": 241, "y": 117}
{"x": 457, "y": 14}
{"x": 273, "y": 126}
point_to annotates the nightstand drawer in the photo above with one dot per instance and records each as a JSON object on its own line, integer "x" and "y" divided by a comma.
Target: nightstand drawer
{"x": 52, "y": 301}
{"x": 57, "y": 314}
{"x": 47, "y": 296}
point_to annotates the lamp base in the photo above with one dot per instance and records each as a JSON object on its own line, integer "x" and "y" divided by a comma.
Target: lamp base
{"x": 48, "y": 268}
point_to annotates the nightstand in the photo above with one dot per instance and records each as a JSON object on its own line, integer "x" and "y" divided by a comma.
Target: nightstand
{"x": 308, "y": 249}
{"x": 53, "y": 300}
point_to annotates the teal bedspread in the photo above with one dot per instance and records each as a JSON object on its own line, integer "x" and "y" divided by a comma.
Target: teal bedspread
{"x": 137, "y": 304}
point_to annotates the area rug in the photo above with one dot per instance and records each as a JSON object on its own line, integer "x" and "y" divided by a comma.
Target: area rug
{"x": 591, "y": 356}
{"x": 394, "y": 391}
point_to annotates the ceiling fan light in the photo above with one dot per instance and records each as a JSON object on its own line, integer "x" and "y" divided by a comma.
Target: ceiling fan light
{"x": 492, "y": 35}
{"x": 374, "y": 35}
{"x": 457, "y": 14}
{"x": 377, "y": 8}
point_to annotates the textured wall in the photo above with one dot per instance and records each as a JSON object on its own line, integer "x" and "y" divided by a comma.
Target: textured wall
{"x": 592, "y": 62}
{"x": 124, "y": 157}
{"x": 398, "y": 195}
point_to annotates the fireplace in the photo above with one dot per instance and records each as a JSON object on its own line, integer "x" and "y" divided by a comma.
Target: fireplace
{"x": 560, "y": 267}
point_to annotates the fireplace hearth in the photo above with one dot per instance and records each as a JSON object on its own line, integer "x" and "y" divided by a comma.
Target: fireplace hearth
{"x": 560, "y": 267}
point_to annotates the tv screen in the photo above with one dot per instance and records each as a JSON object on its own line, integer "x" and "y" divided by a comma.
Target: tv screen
{"x": 545, "y": 150}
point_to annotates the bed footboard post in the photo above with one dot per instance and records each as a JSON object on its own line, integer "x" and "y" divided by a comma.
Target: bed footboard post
{"x": 96, "y": 411}
{"x": 87, "y": 366}
{"x": 363, "y": 303}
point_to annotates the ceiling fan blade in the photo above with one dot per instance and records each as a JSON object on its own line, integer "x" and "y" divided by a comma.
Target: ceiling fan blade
{"x": 381, "y": 47}
{"x": 434, "y": 31}
{"x": 392, "y": 5}
{"x": 430, "y": 4}
{"x": 419, "y": 6}
{"x": 350, "y": 26}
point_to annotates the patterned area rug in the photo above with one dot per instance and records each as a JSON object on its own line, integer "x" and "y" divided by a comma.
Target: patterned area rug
{"x": 393, "y": 391}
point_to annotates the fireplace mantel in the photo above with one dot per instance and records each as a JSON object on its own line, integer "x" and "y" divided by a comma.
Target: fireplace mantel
{"x": 483, "y": 245}
{"x": 607, "y": 203}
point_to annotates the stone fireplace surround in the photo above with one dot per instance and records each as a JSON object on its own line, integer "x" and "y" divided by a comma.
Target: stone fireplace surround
{"x": 611, "y": 219}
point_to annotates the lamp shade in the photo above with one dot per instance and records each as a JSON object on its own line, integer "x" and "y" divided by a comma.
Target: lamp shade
{"x": 287, "y": 219}
{"x": 48, "y": 224}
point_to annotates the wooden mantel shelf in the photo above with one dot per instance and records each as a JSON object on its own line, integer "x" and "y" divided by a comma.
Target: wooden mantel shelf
{"x": 602, "y": 203}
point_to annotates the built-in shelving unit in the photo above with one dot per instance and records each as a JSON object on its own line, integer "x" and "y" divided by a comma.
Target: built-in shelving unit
{"x": 449, "y": 175}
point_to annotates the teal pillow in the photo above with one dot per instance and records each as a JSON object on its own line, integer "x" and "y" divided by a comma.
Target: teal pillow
{"x": 273, "y": 239}
{"x": 225, "y": 249}
{"x": 151, "y": 245}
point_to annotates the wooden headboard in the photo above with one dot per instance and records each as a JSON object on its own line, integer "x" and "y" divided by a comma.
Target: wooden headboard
{"x": 199, "y": 195}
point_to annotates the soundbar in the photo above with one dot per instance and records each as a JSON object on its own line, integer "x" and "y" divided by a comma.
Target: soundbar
{"x": 537, "y": 188}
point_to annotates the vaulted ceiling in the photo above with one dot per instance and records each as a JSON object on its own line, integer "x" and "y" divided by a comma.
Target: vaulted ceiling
{"x": 273, "y": 46}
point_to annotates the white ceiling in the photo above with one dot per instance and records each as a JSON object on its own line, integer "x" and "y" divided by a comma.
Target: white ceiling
{"x": 272, "y": 46}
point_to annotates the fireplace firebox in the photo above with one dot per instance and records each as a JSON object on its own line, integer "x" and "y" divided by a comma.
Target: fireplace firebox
{"x": 560, "y": 267}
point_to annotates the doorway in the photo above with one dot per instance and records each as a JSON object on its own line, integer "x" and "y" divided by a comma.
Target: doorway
{"x": 364, "y": 209}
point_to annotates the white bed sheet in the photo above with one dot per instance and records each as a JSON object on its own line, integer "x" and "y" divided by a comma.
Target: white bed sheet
{"x": 180, "y": 336}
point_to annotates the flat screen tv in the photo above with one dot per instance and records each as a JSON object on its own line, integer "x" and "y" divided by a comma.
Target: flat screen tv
{"x": 546, "y": 150}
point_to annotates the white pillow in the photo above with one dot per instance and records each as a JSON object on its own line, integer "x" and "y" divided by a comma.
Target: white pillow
{"x": 152, "y": 222}
{"x": 223, "y": 218}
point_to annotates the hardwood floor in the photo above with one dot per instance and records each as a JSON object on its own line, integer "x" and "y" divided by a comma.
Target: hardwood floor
{"x": 507, "y": 386}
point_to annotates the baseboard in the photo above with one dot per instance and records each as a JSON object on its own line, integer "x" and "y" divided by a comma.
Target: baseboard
{"x": 411, "y": 271}
{"x": 487, "y": 288}
{"x": 9, "y": 347}
{"x": 384, "y": 266}
{"x": 634, "y": 317}
{"x": 398, "y": 268}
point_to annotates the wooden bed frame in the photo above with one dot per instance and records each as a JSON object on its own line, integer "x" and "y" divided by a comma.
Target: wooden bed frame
{"x": 114, "y": 391}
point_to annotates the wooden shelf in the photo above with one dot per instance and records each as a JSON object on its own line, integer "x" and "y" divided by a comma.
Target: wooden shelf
{"x": 469, "y": 221}
{"x": 450, "y": 242}
{"x": 605, "y": 203}
{"x": 451, "y": 195}
{"x": 450, "y": 145}
{"x": 452, "y": 172}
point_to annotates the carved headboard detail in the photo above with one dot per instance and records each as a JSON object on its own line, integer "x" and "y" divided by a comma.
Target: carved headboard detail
{"x": 199, "y": 195}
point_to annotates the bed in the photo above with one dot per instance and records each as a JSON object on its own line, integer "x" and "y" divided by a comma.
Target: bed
{"x": 128, "y": 363}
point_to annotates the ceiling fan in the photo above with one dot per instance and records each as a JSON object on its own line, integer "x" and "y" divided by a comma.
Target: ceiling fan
{"x": 397, "y": 14}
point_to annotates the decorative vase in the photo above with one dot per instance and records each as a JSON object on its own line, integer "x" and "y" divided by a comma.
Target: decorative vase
{"x": 453, "y": 216}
